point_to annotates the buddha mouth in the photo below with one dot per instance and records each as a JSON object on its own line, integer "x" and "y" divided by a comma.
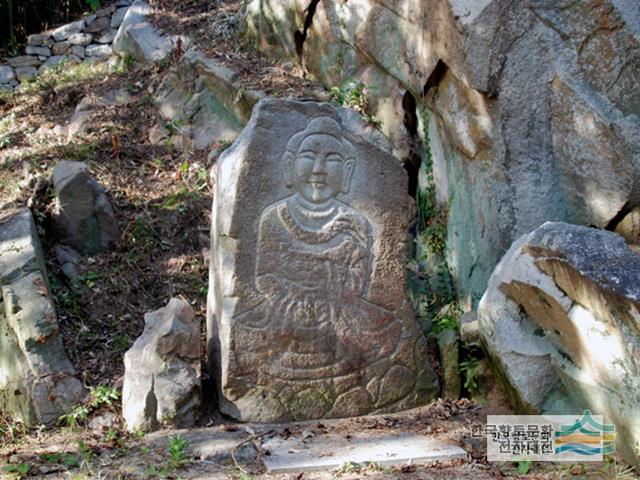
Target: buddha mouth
{"x": 317, "y": 183}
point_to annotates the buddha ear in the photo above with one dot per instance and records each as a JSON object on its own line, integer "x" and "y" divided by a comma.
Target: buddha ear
{"x": 288, "y": 169}
{"x": 347, "y": 173}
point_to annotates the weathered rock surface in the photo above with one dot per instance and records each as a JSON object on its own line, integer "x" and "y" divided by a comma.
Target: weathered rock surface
{"x": 561, "y": 322}
{"x": 98, "y": 26}
{"x": 82, "y": 39}
{"x": 162, "y": 370}
{"x": 308, "y": 315}
{"x": 137, "y": 13}
{"x": 144, "y": 43}
{"x": 37, "y": 381}
{"x": 39, "y": 50}
{"x": 534, "y": 111}
{"x": 206, "y": 98}
{"x": 39, "y": 39}
{"x": 65, "y": 31}
{"x": 448, "y": 341}
{"x": 23, "y": 61}
{"x": 6, "y": 74}
{"x": 83, "y": 216}
{"x": 25, "y": 73}
{"x": 98, "y": 51}
{"x": 118, "y": 17}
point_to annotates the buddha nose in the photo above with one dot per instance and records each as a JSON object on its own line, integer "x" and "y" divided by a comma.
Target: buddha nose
{"x": 319, "y": 165}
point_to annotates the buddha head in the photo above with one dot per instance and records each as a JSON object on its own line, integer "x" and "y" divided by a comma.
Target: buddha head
{"x": 319, "y": 161}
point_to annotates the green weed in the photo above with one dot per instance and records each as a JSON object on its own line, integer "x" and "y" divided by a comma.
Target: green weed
{"x": 469, "y": 371}
{"x": 178, "y": 454}
{"x": 17, "y": 471}
{"x": 75, "y": 417}
{"x": 354, "y": 95}
{"x": 103, "y": 395}
{"x": 93, "y": 4}
{"x": 447, "y": 321}
{"x": 523, "y": 467}
{"x": 348, "y": 467}
{"x": 98, "y": 397}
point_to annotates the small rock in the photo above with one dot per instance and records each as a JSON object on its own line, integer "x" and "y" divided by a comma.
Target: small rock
{"x": 114, "y": 98}
{"x": 60, "y": 48}
{"x": 63, "y": 32}
{"x": 98, "y": 26}
{"x": 38, "y": 50}
{"x": 106, "y": 37}
{"x": 162, "y": 370}
{"x": 78, "y": 51}
{"x": 24, "y": 61}
{"x": 157, "y": 134}
{"x": 98, "y": 51}
{"x": 65, "y": 254}
{"x": 51, "y": 62}
{"x": 82, "y": 217}
{"x": 39, "y": 39}
{"x": 469, "y": 328}
{"x": 137, "y": 13}
{"x": 103, "y": 422}
{"x": 6, "y": 87}
{"x": 72, "y": 59}
{"x": 117, "y": 18}
{"x": 122, "y": 3}
{"x": 59, "y": 131}
{"x": 6, "y": 74}
{"x": 82, "y": 39}
{"x": 105, "y": 12}
{"x": 26, "y": 73}
{"x": 90, "y": 19}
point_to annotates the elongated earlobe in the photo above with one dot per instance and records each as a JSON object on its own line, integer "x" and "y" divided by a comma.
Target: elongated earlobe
{"x": 347, "y": 174}
{"x": 288, "y": 169}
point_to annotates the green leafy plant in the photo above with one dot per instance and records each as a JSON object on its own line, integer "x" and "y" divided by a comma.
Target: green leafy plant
{"x": 348, "y": 467}
{"x": 17, "y": 471}
{"x": 447, "y": 321}
{"x": 93, "y": 4}
{"x": 76, "y": 416}
{"x": 103, "y": 395}
{"x": 98, "y": 396}
{"x": 469, "y": 371}
{"x": 69, "y": 460}
{"x": 178, "y": 454}
{"x": 524, "y": 466}
{"x": 354, "y": 95}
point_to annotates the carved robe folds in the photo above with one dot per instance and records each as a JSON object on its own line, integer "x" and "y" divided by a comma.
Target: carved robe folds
{"x": 307, "y": 314}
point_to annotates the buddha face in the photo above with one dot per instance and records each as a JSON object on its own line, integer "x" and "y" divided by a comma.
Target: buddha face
{"x": 320, "y": 170}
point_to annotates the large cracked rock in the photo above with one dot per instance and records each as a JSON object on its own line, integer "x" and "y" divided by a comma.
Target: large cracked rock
{"x": 206, "y": 100}
{"x": 162, "y": 371}
{"x": 37, "y": 381}
{"x": 561, "y": 323}
{"x": 535, "y": 113}
{"x": 308, "y": 315}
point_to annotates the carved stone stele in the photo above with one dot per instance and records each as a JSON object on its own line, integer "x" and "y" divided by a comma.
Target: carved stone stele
{"x": 307, "y": 311}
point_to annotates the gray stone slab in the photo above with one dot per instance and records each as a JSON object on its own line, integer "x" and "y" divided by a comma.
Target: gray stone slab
{"x": 308, "y": 316}
{"x": 326, "y": 452}
{"x": 20, "y": 250}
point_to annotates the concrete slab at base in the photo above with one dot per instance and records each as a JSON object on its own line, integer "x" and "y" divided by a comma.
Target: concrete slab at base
{"x": 329, "y": 451}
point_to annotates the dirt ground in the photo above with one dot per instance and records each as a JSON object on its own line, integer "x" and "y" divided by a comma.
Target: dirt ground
{"x": 162, "y": 199}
